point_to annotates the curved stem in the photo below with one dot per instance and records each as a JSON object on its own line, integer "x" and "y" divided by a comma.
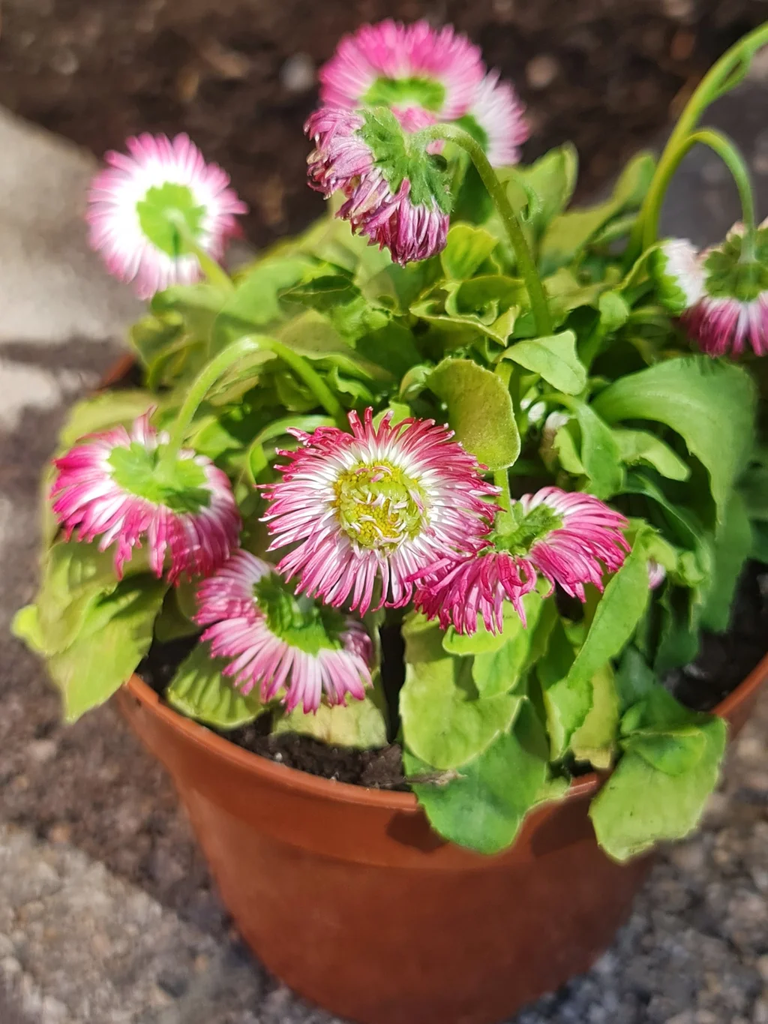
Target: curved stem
{"x": 721, "y": 77}
{"x": 498, "y": 193}
{"x": 733, "y": 160}
{"x": 221, "y": 363}
{"x": 215, "y": 273}
{"x": 501, "y": 476}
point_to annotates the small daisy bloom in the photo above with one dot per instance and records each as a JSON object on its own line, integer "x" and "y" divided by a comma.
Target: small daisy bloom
{"x": 457, "y": 591}
{"x": 142, "y": 203}
{"x": 373, "y": 507}
{"x": 570, "y": 538}
{"x": 108, "y": 486}
{"x": 280, "y": 643}
{"x": 720, "y": 295}
{"x": 396, "y": 191}
{"x": 404, "y": 67}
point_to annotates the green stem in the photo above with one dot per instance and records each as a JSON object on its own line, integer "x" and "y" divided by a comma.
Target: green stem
{"x": 501, "y": 476}
{"x": 215, "y": 273}
{"x": 721, "y": 77}
{"x": 221, "y": 363}
{"x": 498, "y": 193}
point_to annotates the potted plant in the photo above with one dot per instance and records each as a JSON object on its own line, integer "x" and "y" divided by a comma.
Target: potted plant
{"x": 436, "y": 499}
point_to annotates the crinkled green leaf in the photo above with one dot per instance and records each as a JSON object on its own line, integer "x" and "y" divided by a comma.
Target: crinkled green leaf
{"x": 361, "y": 724}
{"x": 102, "y": 411}
{"x": 111, "y": 642}
{"x": 479, "y": 410}
{"x": 200, "y": 691}
{"x": 445, "y": 721}
{"x": 255, "y": 301}
{"x": 485, "y": 805}
{"x": 570, "y": 699}
{"x": 643, "y": 446}
{"x": 635, "y": 678}
{"x": 569, "y": 233}
{"x": 595, "y": 739}
{"x": 552, "y": 177}
{"x": 641, "y": 805}
{"x": 554, "y": 358}
{"x": 466, "y": 250}
{"x": 711, "y": 404}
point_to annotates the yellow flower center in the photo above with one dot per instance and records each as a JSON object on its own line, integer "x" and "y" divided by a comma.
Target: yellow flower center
{"x": 379, "y": 506}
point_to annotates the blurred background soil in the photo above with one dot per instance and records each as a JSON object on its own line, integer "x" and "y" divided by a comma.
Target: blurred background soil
{"x": 240, "y": 75}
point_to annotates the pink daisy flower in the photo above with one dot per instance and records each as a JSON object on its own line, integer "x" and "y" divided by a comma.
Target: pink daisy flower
{"x": 136, "y": 205}
{"x": 720, "y": 297}
{"x": 373, "y": 507}
{"x": 456, "y": 591}
{"x": 381, "y": 202}
{"x": 426, "y": 76}
{"x": 404, "y": 67}
{"x": 279, "y": 642}
{"x": 570, "y": 538}
{"x": 107, "y": 486}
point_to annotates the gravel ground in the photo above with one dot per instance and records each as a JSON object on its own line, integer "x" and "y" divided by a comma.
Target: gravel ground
{"x": 107, "y": 915}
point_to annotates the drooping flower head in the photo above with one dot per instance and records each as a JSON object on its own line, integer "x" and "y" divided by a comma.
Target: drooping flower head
{"x": 720, "y": 294}
{"x": 570, "y": 538}
{"x": 280, "y": 642}
{"x": 143, "y": 205}
{"x": 425, "y": 76}
{"x": 112, "y": 485}
{"x": 374, "y": 506}
{"x": 396, "y": 191}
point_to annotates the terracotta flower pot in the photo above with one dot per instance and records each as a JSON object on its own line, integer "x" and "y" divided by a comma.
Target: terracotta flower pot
{"x": 348, "y": 896}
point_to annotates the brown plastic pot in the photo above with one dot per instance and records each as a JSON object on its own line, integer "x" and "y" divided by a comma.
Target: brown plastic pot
{"x": 348, "y": 896}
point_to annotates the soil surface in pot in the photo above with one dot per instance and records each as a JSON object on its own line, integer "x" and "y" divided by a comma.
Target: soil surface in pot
{"x": 723, "y": 663}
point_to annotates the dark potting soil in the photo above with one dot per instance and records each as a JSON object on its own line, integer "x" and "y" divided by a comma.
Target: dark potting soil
{"x": 724, "y": 662}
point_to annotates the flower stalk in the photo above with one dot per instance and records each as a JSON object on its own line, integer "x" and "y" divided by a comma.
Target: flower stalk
{"x": 498, "y": 193}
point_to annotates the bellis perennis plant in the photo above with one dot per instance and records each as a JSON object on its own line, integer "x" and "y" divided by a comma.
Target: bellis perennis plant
{"x": 520, "y": 437}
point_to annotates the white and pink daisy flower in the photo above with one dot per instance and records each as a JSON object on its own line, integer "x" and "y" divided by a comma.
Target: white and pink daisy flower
{"x": 404, "y": 67}
{"x": 278, "y": 642}
{"x": 110, "y": 486}
{"x": 570, "y": 538}
{"x": 425, "y": 76}
{"x": 396, "y": 195}
{"x": 143, "y": 206}
{"x": 370, "y": 508}
{"x": 720, "y": 297}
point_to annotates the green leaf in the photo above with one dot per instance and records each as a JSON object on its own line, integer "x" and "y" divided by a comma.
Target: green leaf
{"x": 499, "y": 671}
{"x": 711, "y": 404}
{"x": 618, "y": 612}
{"x": 361, "y": 725}
{"x": 109, "y": 409}
{"x": 25, "y": 626}
{"x": 255, "y": 302}
{"x": 172, "y": 623}
{"x": 466, "y": 250}
{"x": 200, "y": 691}
{"x": 731, "y": 549}
{"x": 641, "y": 805}
{"x": 643, "y": 446}
{"x": 569, "y": 233}
{"x": 554, "y": 358}
{"x": 595, "y": 740}
{"x": 445, "y": 722}
{"x": 552, "y": 177}
{"x": 479, "y": 410}
{"x": 485, "y": 806}
{"x": 635, "y": 678}
{"x": 599, "y": 455}
{"x": 197, "y": 305}
{"x": 673, "y": 752}
{"x": 88, "y": 671}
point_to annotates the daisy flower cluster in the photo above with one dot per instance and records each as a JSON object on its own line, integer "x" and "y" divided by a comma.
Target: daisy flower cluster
{"x": 395, "y": 188}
